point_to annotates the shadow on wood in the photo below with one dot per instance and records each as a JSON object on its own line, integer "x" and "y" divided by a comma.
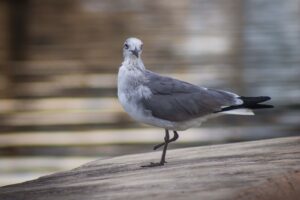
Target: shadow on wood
{"x": 266, "y": 169}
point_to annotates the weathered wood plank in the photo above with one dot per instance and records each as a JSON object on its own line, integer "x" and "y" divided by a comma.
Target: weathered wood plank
{"x": 18, "y": 169}
{"x": 249, "y": 170}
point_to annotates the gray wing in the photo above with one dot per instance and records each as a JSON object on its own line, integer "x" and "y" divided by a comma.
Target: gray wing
{"x": 175, "y": 100}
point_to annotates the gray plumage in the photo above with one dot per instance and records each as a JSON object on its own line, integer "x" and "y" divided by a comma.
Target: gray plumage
{"x": 175, "y": 100}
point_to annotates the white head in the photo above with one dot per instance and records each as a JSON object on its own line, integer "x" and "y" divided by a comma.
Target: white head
{"x": 132, "y": 48}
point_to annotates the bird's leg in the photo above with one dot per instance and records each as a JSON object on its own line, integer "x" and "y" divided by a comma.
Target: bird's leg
{"x": 174, "y": 138}
{"x": 163, "y": 156}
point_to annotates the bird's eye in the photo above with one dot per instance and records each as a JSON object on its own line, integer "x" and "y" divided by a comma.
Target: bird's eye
{"x": 126, "y": 46}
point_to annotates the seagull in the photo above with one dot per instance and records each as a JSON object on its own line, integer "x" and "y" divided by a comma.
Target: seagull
{"x": 172, "y": 104}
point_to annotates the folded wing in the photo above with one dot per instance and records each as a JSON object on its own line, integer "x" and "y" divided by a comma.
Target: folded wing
{"x": 175, "y": 100}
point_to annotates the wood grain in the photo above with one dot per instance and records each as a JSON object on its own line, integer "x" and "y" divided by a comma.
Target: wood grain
{"x": 248, "y": 170}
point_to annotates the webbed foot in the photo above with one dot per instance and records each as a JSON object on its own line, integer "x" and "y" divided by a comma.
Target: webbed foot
{"x": 152, "y": 164}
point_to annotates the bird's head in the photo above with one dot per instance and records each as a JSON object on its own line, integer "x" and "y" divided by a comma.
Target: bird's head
{"x": 132, "y": 48}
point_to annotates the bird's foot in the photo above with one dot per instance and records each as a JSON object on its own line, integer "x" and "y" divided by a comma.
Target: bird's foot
{"x": 152, "y": 164}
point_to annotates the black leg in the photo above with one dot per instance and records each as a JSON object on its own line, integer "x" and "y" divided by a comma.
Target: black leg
{"x": 175, "y": 137}
{"x": 163, "y": 156}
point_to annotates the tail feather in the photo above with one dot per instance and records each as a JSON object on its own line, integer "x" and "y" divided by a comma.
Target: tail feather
{"x": 239, "y": 111}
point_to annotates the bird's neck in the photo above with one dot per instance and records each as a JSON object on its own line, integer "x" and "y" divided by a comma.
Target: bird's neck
{"x": 134, "y": 63}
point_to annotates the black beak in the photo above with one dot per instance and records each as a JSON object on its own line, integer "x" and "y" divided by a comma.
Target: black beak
{"x": 135, "y": 52}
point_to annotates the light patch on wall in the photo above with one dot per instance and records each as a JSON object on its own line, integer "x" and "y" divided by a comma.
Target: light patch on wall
{"x": 107, "y": 6}
{"x": 203, "y": 45}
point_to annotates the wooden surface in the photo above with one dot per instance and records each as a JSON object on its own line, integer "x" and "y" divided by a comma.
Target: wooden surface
{"x": 266, "y": 169}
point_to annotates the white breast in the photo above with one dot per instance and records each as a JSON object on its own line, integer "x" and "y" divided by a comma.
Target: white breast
{"x": 130, "y": 91}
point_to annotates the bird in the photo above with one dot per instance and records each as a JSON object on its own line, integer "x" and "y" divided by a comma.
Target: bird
{"x": 172, "y": 104}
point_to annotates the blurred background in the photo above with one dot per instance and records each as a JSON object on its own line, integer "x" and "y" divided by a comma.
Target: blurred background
{"x": 59, "y": 60}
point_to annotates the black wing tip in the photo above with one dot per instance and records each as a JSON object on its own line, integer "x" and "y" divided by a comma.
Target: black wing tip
{"x": 266, "y": 98}
{"x": 254, "y": 102}
{"x": 258, "y": 99}
{"x": 251, "y": 103}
